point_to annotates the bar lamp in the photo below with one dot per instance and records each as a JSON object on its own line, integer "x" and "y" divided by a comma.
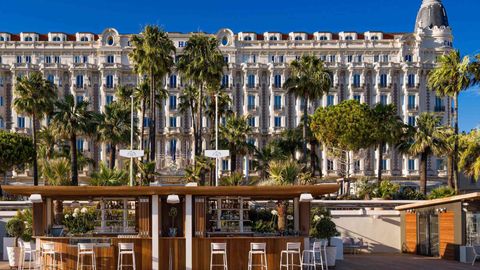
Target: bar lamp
{"x": 306, "y": 197}
{"x": 173, "y": 199}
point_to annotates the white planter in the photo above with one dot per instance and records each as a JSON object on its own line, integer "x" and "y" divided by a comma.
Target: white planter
{"x": 14, "y": 255}
{"x": 331, "y": 255}
{"x": 337, "y": 242}
{"x": 7, "y": 242}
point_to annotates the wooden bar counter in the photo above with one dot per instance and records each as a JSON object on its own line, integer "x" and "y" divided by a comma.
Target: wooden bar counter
{"x": 238, "y": 248}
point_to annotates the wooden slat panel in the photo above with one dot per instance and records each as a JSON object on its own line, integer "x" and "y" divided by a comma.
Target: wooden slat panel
{"x": 446, "y": 233}
{"x": 39, "y": 219}
{"x": 237, "y": 251}
{"x": 144, "y": 215}
{"x": 410, "y": 244}
{"x": 106, "y": 256}
{"x": 304, "y": 212}
{"x": 199, "y": 217}
{"x": 172, "y": 253}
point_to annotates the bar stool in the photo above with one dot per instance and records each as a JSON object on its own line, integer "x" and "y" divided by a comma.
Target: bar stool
{"x": 293, "y": 248}
{"x": 86, "y": 249}
{"x": 309, "y": 257}
{"x": 218, "y": 249}
{"x": 126, "y": 249}
{"x": 258, "y": 249}
{"x": 48, "y": 252}
{"x": 27, "y": 249}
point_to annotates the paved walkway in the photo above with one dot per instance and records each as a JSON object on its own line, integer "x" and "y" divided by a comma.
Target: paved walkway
{"x": 400, "y": 262}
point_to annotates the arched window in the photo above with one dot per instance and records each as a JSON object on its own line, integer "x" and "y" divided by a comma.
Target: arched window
{"x": 2, "y": 39}
{"x": 56, "y": 39}
{"x": 356, "y": 80}
{"x": 224, "y": 41}
{"x": 84, "y": 39}
{"x": 225, "y": 79}
{"x": 298, "y": 38}
{"x": 50, "y": 78}
{"x": 323, "y": 38}
{"x": 273, "y": 38}
{"x": 173, "y": 81}
{"x": 79, "y": 81}
{"x": 173, "y": 148}
{"x": 247, "y": 38}
{"x": 110, "y": 41}
{"x": 109, "y": 81}
{"x": 277, "y": 81}
{"x": 348, "y": 38}
{"x": 251, "y": 81}
{"x": 28, "y": 39}
{"x": 374, "y": 38}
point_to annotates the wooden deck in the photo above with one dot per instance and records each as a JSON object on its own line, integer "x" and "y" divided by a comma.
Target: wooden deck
{"x": 400, "y": 262}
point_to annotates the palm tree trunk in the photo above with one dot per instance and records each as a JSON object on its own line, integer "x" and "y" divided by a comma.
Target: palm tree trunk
{"x": 142, "y": 132}
{"x": 113, "y": 150}
{"x": 455, "y": 149}
{"x": 233, "y": 160}
{"x": 281, "y": 211}
{"x": 450, "y": 180}
{"x": 313, "y": 159}
{"x": 73, "y": 159}
{"x": 35, "y": 161}
{"x": 380, "y": 159}
{"x": 58, "y": 212}
{"x": 198, "y": 148}
{"x": 423, "y": 173}
{"x": 153, "y": 116}
{"x": 305, "y": 122}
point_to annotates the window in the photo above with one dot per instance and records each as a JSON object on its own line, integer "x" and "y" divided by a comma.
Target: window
{"x": 110, "y": 41}
{"x": 323, "y": 58}
{"x": 79, "y": 81}
{"x": 349, "y": 58}
{"x": 251, "y": 81}
{"x": 51, "y": 78}
{"x": 277, "y": 121}
{"x": 411, "y": 164}
{"x": 323, "y": 38}
{"x": 79, "y": 99}
{"x": 2, "y": 38}
{"x": 225, "y": 80}
{"x": 80, "y": 145}
{"x": 173, "y": 122}
{"x": 84, "y": 39}
{"x": 348, "y": 38}
{"x": 329, "y": 165}
{"x": 109, "y": 99}
{"x": 247, "y": 38}
{"x": 1, "y": 81}
{"x": 19, "y": 59}
{"x": 173, "y": 148}
{"x": 273, "y": 38}
{"x": 298, "y": 38}
{"x": 225, "y": 165}
{"x": 357, "y": 98}
{"x": 356, "y": 80}
{"x": 48, "y": 59}
{"x": 182, "y": 43}
{"x": 76, "y": 59}
{"x": 28, "y": 39}
{"x": 28, "y": 59}
{"x": 411, "y": 80}
{"x": 109, "y": 81}
{"x": 411, "y": 121}
{"x": 173, "y": 102}
{"x": 226, "y": 59}
{"x": 376, "y": 58}
{"x": 1, "y": 123}
{"x": 56, "y": 39}
{"x": 146, "y": 122}
{"x": 1, "y": 101}
{"x": 224, "y": 41}
{"x": 408, "y": 58}
{"x": 440, "y": 164}
{"x": 110, "y": 59}
{"x": 251, "y": 102}
{"x": 383, "y": 80}
{"x": 56, "y": 59}
{"x": 356, "y": 165}
{"x": 21, "y": 122}
{"x": 384, "y": 165}
{"x": 330, "y": 100}
{"x": 251, "y": 121}
{"x": 332, "y": 59}
{"x": 359, "y": 58}
{"x": 411, "y": 102}
{"x": 374, "y": 38}
{"x": 85, "y": 59}
{"x": 173, "y": 81}
{"x": 383, "y": 99}
{"x": 385, "y": 58}
{"x": 277, "y": 102}
{"x": 439, "y": 107}
{"x": 277, "y": 81}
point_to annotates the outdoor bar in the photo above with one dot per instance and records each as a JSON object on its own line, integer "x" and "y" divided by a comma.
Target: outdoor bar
{"x": 171, "y": 227}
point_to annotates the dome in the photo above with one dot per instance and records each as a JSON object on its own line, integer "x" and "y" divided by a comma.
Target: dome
{"x": 432, "y": 13}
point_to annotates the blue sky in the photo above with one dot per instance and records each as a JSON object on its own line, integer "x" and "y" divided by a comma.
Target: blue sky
{"x": 247, "y": 15}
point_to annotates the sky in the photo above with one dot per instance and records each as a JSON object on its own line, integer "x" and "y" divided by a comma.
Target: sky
{"x": 248, "y": 15}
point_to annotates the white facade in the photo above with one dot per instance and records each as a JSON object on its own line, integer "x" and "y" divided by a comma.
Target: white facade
{"x": 372, "y": 67}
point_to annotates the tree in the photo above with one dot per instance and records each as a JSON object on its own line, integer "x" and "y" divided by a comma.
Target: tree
{"x": 47, "y": 141}
{"x": 152, "y": 56}
{"x": 289, "y": 141}
{"x": 16, "y": 151}
{"x": 427, "y": 138}
{"x": 309, "y": 80}
{"x": 234, "y": 136}
{"x": 109, "y": 177}
{"x": 202, "y": 64}
{"x": 34, "y": 97}
{"x": 451, "y": 76}
{"x": 56, "y": 172}
{"x": 469, "y": 161}
{"x": 388, "y": 129}
{"x": 114, "y": 128}
{"x": 71, "y": 119}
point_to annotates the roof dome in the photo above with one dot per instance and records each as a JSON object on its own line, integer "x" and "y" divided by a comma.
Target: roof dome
{"x": 432, "y": 13}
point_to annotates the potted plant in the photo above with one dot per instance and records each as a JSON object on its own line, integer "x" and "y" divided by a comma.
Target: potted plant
{"x": 324, "y": 228}
{"x": 15, "y": 228}
{"x": 172, "y": 231}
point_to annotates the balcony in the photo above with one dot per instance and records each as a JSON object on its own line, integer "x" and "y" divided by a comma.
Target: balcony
{"x": 277, "y": 108}
{"x": 412, "y": 107}
{"x": 252, "y": 107}
{"x": 439, "y": 109}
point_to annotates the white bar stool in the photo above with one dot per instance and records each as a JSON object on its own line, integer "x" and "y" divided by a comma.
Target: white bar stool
{"x": 86, "y": 249}
{"x": 27, "y": 250}
{"x": 218, "y": 249}
{"x": 309, "y": 257}
{"x": 50, "y": 256}
{"x": 293, "y": 249}
{"x": 126, "y": 249}
{"x": 258, "y": 249}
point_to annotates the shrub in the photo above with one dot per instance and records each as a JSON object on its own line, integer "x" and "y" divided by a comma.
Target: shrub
{"x": 386, "y": 190}
{"x": 322, "y": 225}
{"x": 441, "y": 192}
{"x": 108, "y": 177}
{"x": 25, "y": 215}
{"x": 79, "y": 221}
{"x": 15, "y": 228}
{"x": 366, "y": 189}
{"x": 56, "y": 172}
{"x": 409, "y": 193}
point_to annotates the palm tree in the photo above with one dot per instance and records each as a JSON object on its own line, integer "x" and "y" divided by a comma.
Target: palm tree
{"x": 309, "y": 80}
{"x": 469, "y": 160}
{"x": 263, "y": 157}
{"x": 224, "y": 110}
{"x": 35, "y": 97}
{"x": 47, "y": 141}
{"x": 202, "y": 64}
{"x": 388, "y": 130}
{"x": 451, "y": 76}
{"x": 71, "y": 119}
{"x": 427, "y": 138}
{"x": 114, "y": 128}
{"x": 152, "y": 56}
{"x": 234, "y": 136}
{"x": 109, "y": 177}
